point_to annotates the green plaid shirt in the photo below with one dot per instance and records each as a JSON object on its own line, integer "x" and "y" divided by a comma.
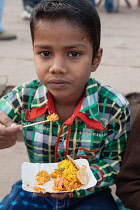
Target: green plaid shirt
{"x": 97, "y": 130}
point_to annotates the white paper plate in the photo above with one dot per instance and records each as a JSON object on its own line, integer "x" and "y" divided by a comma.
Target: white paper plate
{"x": 30, "y": 170}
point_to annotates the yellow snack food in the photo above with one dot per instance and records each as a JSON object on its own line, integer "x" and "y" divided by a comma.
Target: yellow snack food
{"x": 82, "y": 175}
{"x": 65, "y": 177}
{"x": 42, "y": 177}
{"x": 53, "y": 117}
{"x": 39, "y": 189}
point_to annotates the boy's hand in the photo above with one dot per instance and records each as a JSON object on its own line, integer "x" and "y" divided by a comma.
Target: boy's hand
{"x": 8, "y": 131}
{"x": 58, "y": 196}
{"x": 90, "y": 189}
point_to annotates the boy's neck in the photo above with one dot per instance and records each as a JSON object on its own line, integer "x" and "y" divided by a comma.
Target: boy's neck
{"x": 65, "y": 108}
{"x": 64, "y": 112}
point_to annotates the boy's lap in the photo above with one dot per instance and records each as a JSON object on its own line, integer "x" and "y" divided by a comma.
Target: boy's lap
{"x": 96, "y": 201}
{"x": 20, "y": 199}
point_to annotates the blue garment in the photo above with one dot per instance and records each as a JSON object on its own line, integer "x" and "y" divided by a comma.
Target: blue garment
{"x": 30, "y": 3}
{"x": 93, "y": 2}
{"x": 111, "y": 5}
{"x": 1, "y": 13}
{"x": 19, "y": 199}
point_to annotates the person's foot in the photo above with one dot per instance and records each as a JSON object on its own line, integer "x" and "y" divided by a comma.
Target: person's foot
{"x": 5, "y": 35}
{"x": 27, "y": 12}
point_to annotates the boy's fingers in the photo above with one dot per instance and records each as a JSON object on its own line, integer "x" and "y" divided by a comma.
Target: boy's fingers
{"x": 13, "y": 124}
{"x": 90, "y": 189}
{"x": 59, "y": 196}
{"x": 7, "y": 144}
{"x": 41, "y": 194}
{"x": 5, "y": 120}
{"x": 2, "y": 129}
{"x": 7, "y": 131}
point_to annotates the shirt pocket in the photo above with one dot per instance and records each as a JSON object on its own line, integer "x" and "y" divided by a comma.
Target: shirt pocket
{"x": 87, "y": 153}
{"x": 91, "y": 144}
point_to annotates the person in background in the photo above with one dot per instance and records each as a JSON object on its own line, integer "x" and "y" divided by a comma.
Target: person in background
{"x": 93, "y": 2}
{"x": 128, "y": 179}
{"x": 4, "y": 35}
{"x": 28, "y": 6}
{"x": 111, "y": 5}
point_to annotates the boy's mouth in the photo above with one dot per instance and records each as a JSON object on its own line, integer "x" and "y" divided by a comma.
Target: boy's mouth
{"x": 58, "y": 83}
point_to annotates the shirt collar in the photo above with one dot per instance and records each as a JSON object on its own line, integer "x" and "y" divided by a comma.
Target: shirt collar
{"x": 87, "y": 109}
{"x": 41, "y": 97}
{"x": 90, "y": 106}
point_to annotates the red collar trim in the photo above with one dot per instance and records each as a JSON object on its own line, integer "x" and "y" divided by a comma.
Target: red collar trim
{"x": 51, "y": 107}
{"x": 70, "y": 120}
{"x": 92, "y": 123}
{"x": 36, "y": 112}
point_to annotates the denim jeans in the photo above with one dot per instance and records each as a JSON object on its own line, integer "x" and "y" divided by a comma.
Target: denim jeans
{"x": 112, "y": 5}
{"x": 22, "y": 200}
{"x": 1, "y": 13}
{"x": 93, "y": 2}
{"x": 31, "y": 3}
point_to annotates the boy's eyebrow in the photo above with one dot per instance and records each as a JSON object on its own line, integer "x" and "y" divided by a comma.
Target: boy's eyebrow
{"x": 76, "y": 46}
{"x": 67, "y": 47}
{"x": 42, "y": 46}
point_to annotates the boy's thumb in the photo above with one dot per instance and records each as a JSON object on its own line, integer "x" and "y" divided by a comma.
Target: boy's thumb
{"x": 13, "y": 124}
{"x": 6, "y": 121}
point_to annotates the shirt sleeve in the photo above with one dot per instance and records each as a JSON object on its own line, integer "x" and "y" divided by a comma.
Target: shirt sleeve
{"x": 11, "y": 105}
{"x": 108, "y": 164}
{"x": 128, "y": 179}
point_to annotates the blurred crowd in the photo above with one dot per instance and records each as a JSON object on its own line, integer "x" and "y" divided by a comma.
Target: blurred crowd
{"x": 28, "y": 5}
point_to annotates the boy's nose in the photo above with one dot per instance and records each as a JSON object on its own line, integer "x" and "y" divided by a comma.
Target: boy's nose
{"x": 58, "y": 66}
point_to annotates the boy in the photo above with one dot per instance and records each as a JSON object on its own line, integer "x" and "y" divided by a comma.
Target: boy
{"x": 93, "y": 118}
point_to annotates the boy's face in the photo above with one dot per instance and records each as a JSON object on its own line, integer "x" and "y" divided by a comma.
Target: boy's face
{"x": 63, "y": 58}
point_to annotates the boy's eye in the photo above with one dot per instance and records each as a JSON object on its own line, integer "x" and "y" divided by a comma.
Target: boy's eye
{"x": 45, "y": 54}
{"x": 74, "y": 54}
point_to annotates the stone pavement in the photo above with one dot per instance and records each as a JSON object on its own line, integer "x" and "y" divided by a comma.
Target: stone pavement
{"x": 120, "y": 66}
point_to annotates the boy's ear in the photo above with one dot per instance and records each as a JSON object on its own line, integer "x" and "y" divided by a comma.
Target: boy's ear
{"x": 97, "y": 60}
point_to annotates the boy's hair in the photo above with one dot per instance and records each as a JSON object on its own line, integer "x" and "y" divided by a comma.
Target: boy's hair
{"x": 80, "y": 13}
